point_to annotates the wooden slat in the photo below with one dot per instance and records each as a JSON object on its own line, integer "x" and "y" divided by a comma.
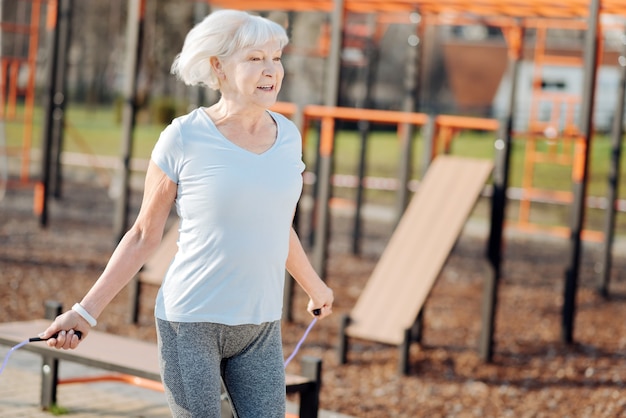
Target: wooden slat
{"x": 418, "y": 249}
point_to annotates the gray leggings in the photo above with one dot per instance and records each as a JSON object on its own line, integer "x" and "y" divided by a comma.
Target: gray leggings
{"x": 248, "y": 358}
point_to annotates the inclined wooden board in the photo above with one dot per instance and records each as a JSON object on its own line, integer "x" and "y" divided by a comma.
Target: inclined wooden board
{"x": 154, "y": 270}
{"x": 418, "y": 249}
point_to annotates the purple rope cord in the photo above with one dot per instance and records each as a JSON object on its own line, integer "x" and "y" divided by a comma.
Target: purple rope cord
{"x": 295, "y": 351}
{"x": 6, "y": 358}
{"x": 23, "y": 343}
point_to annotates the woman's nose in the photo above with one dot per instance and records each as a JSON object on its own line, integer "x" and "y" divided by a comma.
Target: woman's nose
{"x": 269, "y": 69}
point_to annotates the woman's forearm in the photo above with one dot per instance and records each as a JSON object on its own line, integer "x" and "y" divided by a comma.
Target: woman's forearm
{"x": 300, "y": 268}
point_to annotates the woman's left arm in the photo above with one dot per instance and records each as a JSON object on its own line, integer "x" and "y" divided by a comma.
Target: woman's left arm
{"x": 299, "y": 266}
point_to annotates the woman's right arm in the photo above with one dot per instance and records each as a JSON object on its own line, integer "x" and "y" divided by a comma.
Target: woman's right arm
{"x": 131, "y": 253}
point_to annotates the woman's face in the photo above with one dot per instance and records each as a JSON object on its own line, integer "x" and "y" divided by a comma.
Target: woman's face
{"x": 253, "y": 74}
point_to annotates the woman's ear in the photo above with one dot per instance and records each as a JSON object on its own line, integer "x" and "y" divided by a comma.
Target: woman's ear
{"x": 216, "y": 64}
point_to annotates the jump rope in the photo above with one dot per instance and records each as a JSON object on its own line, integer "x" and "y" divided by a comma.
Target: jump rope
{"x": 30, "y": 340}
{"x": 316, "y": 312}
{"x": 16, "y": 347}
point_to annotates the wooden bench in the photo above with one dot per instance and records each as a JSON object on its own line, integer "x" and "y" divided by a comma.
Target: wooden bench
{"x": 391, "y": 302}
{"x": 131, "y": 361}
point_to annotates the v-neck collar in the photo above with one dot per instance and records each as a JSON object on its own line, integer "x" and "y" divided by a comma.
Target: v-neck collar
{"x": 238, "y": 147}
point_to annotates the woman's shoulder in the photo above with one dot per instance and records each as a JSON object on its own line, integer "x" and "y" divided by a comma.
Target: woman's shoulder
{"x": 195, "y": 116}
{"x": 190, "y": 123}
{"x": 185, "y": 127}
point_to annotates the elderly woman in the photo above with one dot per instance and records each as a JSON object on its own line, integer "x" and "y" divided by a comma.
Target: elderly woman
{"x": 233, "y": 170}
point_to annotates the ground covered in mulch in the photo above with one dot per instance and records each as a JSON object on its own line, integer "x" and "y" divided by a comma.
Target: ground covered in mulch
{"x": 532, "y": 374}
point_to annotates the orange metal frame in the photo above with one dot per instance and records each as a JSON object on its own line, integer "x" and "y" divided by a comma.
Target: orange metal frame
{"x": 512, "y": 8}
{"x": 328, "y": 115}
{"x": 122, "y": 378}
{"x": 9, "y": 84}
{"x": 565, "y": 144}
{"x": 448, "y": 126}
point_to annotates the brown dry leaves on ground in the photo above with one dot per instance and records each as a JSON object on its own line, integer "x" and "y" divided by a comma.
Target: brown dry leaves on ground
{"x": 533, "y": 374}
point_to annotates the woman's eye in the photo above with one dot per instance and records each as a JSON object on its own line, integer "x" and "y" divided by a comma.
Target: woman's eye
{"x": 277, "y": 59}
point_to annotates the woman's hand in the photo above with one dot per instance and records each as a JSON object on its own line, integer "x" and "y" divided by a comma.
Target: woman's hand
{"x": 322, "y": 301}
{"x": 66, "y": 326}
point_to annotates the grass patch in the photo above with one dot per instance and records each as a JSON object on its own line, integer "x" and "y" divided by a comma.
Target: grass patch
{"x": 57, "y": 410}
{"x": 97, "y": 130}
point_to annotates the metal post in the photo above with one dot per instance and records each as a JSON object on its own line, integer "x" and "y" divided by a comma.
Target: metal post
{"x": 46, "y": 142}
{"x": 344, "y": 340}
{"x": 197, "y": 93}
{"x": 59, "y": 101}
{"x": 322, "y": 223}
{"x": 288, "y": 292}
{"x": 429, "y": 135}
{"x": 134, "y": 32}
{"x": 4, "y": 163}
{"x": 411, "y": 98}
{"x": 364, "y": 130}
{"x": 581, "y": 171}
{"x": 49, "y": 364}
{"x": 325, "y": 162}
{"x": 498, "y": 200}
{"x": 311, "y": 368}
{"x": 315, "y": 187}
{"x": 369, "y": 75}
{"x": 614, "y": 175}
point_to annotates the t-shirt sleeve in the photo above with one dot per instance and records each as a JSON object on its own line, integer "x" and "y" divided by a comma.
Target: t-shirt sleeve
{"x": 167, "y": 153}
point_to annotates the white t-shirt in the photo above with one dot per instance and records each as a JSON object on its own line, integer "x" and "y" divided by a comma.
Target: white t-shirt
{"x": 236, "y": 210}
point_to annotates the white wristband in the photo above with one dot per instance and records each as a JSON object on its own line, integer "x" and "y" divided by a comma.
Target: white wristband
{"x": 78, "y": 308}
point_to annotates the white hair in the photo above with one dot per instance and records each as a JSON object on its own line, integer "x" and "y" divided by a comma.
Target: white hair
{"x": 220, "y": 34}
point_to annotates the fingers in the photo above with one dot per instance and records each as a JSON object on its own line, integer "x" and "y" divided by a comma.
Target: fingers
{"x": 320, "y": 312}
{"x": 321, "y": 304}
{"x": 64, "y": 340}
{"x": 324, "y": 311}
{"x": 65, "y": 332}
